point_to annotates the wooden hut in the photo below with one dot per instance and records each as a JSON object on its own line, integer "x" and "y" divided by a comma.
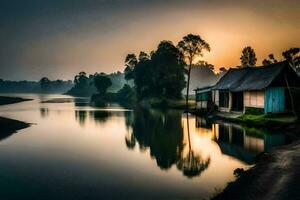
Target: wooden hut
{"x": 265, "y": 89}
{"x": 203, "y": 98}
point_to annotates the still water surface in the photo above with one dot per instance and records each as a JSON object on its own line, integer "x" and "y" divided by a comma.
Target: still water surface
{"x": 74, "y": 151}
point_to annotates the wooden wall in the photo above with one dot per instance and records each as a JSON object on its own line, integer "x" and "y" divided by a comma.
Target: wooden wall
{"x": 274, "y": 100}
{"x": 215, "y": 97}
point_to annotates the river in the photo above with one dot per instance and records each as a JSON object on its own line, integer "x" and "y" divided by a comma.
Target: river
{"x": 74, "y": 151}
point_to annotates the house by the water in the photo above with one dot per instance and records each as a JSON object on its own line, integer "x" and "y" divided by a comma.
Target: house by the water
{"x": 265, "y": 89}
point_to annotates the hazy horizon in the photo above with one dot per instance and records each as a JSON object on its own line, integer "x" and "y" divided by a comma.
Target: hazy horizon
{"x": 58, "y": 39}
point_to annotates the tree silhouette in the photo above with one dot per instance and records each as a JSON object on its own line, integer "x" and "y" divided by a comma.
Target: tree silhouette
{"x": 130, "y": 63}
{"x": 102, "y": 83}
{"x": 45, "y": 83}
{"x": 270, "y": 60}
{"x": 222, "y": 69}
{"x": 81, "y": 81}
{"x": 192, "y": 47}
{"x": 248, "y": 57}
{"x": 161, "y": 75}
{"x": 143, "y": 56}
{"x": 293, "y": 57}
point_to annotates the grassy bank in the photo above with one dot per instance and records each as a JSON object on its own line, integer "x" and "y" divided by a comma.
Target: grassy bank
{"x": 286, "y": 122}
{"x": 167, "y": 103}
{"x": 268, "y": 118}
{"x": 11, "y": 100}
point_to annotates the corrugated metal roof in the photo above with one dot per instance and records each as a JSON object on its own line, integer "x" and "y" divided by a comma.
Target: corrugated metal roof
{"x": 250, "y": 78}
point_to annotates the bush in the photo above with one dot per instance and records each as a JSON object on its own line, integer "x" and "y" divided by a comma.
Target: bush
{"x": 254, "y": 111}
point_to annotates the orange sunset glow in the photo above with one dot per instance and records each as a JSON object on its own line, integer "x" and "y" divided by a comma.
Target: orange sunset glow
{"x": 97, "y": 36}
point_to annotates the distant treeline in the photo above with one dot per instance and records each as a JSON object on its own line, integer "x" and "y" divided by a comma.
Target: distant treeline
{"x": 84, "y": 84}
{"x": 56, "y": 86}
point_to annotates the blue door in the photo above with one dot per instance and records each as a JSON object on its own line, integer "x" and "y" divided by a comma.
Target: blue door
{"x": 274, "y": 100}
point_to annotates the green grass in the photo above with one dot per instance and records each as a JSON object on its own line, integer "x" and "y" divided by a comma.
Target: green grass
{"x": 254, "y": 111}
{"x": 168, "y": 103}
{"x": 267, "y": 119}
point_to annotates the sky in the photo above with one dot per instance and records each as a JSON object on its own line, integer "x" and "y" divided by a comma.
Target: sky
{"x": 59, "y": 38}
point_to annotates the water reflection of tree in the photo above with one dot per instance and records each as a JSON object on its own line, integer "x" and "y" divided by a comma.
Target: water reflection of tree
{"x": 80, "y": 116}
{"x": 44, "y": 112}
{"x": 192, "y": 164}
{"x": 100, "y": 116}
{"x": 130, "y": 140}
{"x": 162, "y": 133}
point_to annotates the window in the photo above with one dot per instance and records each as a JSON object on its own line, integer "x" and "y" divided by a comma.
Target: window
{"x": 224, "y": 99}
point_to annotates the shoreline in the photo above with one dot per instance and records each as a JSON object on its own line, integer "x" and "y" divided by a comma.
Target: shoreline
{"x": 265, "y": 124}
{"x": 11, "y": 100}
{"x": 11, "y": 126}
{"x": 274, "y": 176}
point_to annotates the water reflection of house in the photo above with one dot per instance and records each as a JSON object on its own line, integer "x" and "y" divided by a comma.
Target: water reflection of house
{"x": 202, "y": 122}
{"x": 242, "y": 143}
{"x": 263, "y": 88}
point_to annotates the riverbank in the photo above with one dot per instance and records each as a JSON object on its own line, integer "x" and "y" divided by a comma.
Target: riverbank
{"x": 272, "y": 122}
{"x": 166, "y": 103}
{"x": 10, "y": 126}
{"x": 11, "y": 100}
{"x": 275, "y": 176}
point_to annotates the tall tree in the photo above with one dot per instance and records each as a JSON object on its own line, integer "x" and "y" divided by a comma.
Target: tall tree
{"x": 81, "y": 80}
{"x": 130, "y": 63}
{"x": 161, "y": 75}
{"x": 102, "y": 83}
{"x": 169, "y": 62}
{"x": 270, "y": 60}
{"x": 292, "y": 55}
{"x": 248, "y": 58}
{"x": 192, "y": 47}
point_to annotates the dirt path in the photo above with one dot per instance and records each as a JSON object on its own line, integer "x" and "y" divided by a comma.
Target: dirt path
{"x": 276, "y": 176}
